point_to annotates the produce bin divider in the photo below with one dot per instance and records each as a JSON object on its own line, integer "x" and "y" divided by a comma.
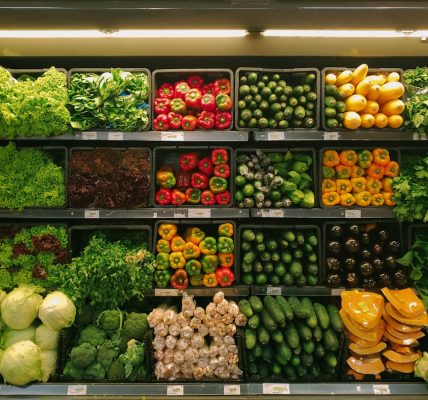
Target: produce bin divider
{"x": 160, "y": 76}
{"x": 326, "y": 70}
{"x": 102, "y": 70}
{"x": 279, "y": 71}
{"x": 181, "y": 150}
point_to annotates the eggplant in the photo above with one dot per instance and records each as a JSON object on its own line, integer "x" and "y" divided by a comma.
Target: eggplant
{"x": 350, "y": 263}
{"x": 366, "y": 269}
{"x": 336, "y": 231}
{"x": 333, "y": 280}
{"x": 365, "y": 239}
{"x": 352, "y": 245}
{"x": 354, "y": 230}
{"x": 383, "y": 235}
{"x": 391, "y": 262}
{"x": 394, "y": 246}
{"x": 369, "y": 282}
{"x": 333, "y": 264}
{"x": 334, "y": 247}
{"x": 384, "y": 279}
{"x": 400, "y": 278}
{"x": 378, "y": 264}
{"x": 352, "y": 279}
{"x": 377, "y": 249}
{"x": 366, "y": 254}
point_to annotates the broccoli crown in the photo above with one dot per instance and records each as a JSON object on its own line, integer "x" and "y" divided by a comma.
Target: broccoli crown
{"x": 107, "y": 352}
{"x": 110, "y": 321}
{"x": 133, "y": 357}
{"x": 136, "y": 326}
{"x": 83, "y": 355}
{"x": 84, "y": 315}
{"x": 137, "y": 374}
{"x": 72, "y": 372}
{"x": 95, "y": 372}
{"x": 92, "y": 335}
{"x": 116, "y": 372}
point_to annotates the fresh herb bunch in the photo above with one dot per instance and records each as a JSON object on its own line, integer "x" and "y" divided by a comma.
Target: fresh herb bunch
{"x": 29, "y": 178}
{"x": 410, "y": 190}
{"x": 107, "y": 274}
{"x": 33, "y": 107}
{"x": 416, "y": 78}
{"x": 112, "y": 100}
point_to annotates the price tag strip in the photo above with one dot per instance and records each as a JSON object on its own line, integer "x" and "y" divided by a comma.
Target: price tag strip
{"x": 272, "y": 213}
{"x": 276, "y": 136}
{"x": 172, "y": 136}
{"x": 115, "y": 136}
{"x": 276, "y": 388}
{"x": 77, "y": 390}
{"x": 381, "y": 389}
{"x": 166, "y": 292}
{"x": 331, "y": 135}
{"x": 274, "y": 290}
{"x": 199, "y": 213}
{"x": 232, "y": 390}
{"x": 89, "y": 135}
{"x": 92, "y": 214}
{"x": 352, "y": 213}
{"x": 175, "y": 390}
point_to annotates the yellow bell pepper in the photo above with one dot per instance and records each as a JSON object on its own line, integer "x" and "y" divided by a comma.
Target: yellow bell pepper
{"x": 177, "y": 260}
{"x": 358, "y": 185}
{"x": 167, "y": 231}
{"x": 363, "y": 199}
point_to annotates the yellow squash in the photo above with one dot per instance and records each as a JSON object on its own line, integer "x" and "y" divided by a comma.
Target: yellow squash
{"x": 390, "y": 91}
{"x": 359, "y": 74}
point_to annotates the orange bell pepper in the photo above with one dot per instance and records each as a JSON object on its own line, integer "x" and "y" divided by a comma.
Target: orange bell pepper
{"x": 191, "y": 251}
{"x": 163, "y": 246}
{"x": 342, "y": 171}
{"x": 194, "y": 235}
{"x": 225, "y": 230}
{"x": 209, "y": 280}
{"x": 167, "y": 231}
{"x": 328, "y": 185}
{"x": 347, "y": 200}
{"x": 330, "y": 199}
{"x": 387, "y": 184}
{"x": 330, "y": 158}
{"x": 358, "y": 184}
{"x": 348, "y": 157}
{"x": 343, "y": 186}
{"x": 356, "y": 171}
{"x": 381, "y": 157}
{"x": 374, "y": 186}
{"x": 388, "y": 198}
{"x": 226, "y": 259}
{"x": 377, "y": 199}
{"x": 376, "y": 171}
{"x": 392, "y": 169}
{"x": 363, "y": 199}
{"x": 177, "y": 243}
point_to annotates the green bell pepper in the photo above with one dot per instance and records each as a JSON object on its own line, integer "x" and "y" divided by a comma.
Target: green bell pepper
{"x": 308, "y": 199}
{"x": 225, "y": 245}
{"x": 209, "y": 263}
{"x": 307, "y": 159}
{"x": 287, "y": 186}
{"x": 193, "y": 267}
{"x": 196, "y": 280}
{"x": 162, "y": 261}
{"x": 208, "y": 246}
{"x": 297, "y": 196}
{"x": 275, "y": 157}
{"x": 162, "y": 278}
{"x": 294, "y": 177}
{"x": 299, "y": 166}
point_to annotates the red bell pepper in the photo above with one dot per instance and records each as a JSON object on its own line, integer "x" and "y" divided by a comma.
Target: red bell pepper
{"x": 223, "y": 102}
{"x": 208, "y": 102}
{"x": 225, "y": 276}
{"x": 188, "y": 123}
{"x": 206, "y": 120}
{"x": 161, "y": 122}
{"x": 189, "y": 161}
{"x": 174, "y": 120}
{"x": 195, "y": 81}
{"x": 206, "y": 166}
{"x": 164, "y": 197}
{"x": 222, "y": 170}
{"x": 178, "y": 106}
{"x": 166, "y": 91}
{"x": 223, "y": 199}
{"x": 193, "y": 196}
{"x": 184, "y": 179}
{"x": 178, "y": 198}
{"x": 219, "y": 156}
{"x": 207, "y": 198}
{"x": 223, "y": 120}
{"x": 193, "y": 98}
{"x": 180, "y": 280}
{"x": 222, "y": 86}
{"x": 180, "y": 89}
{"x": 208, "y": 88}
{"x": 162, "y": 105}
{"x": 199, "y": 180}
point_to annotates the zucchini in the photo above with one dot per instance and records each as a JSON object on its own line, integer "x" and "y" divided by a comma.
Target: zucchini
{"x": 277, "y": 336}
{"x": 257, "y": 350}
{"x": 331, "y": 360}
{"x": 311, "y": 321}
{"x": 317, "y": 333}
{"x": 297, "y": 350}
{"x": 252, "y": 368}
{"x": 284, "y": 351}
{"x": 330, "y": 341}
{"x": 304, "y": 331}
{"x": 322, "y": 315}
{"x": 279, "y": 359}
{"x": 292, "y": 336}
{"x": 298, "y": 309}
{"x": 250, "y": 338}
{"x": 274, "y": 310}
{"x": 289, "y": 372}
{"x": 245, "y": 308}
{"x": 314, "y": 370}
{"x": 263, "y": 335}
{"x": 319, "y": 351}
{"x": 264, "y": 369}
{"x": 256, "y": 304}
{"x": 254, "y": 321}
{"x": 267, "y": 353}
{"x": 301, "y": 370}
{"x": 275, "y": 368}
{"x": 306, "y": 359}
{"x": 285, "y": 306}
{"x": 268, "y": 321}
{"x": 335, "y": 320}
{"x": 309, "y": 347}
{"x": 295, "y": 360}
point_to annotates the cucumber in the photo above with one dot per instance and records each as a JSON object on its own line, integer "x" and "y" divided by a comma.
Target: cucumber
{"x": 284, "y": 351}
{"x": 252, "y": 368}
{"x": 319, "y": 351}
{"x": 274, "y": 310}
{"x": 304, "y": 332}
{"x": 289, "y": 372}
{"x": 317, "y": 334}
{"x": 254, "y": 321}
{"x": 309, "y": 347}
{"x": 275, "y": 368}
{"x": 306, "y": 359}
{"x": 256, "y": 304}
{"x": 264, "y": 369}
{"x": 268, "y": 321}
{"x": 245, "y": 308}
{"x": 298, "y": 309}
{"x": 301, "y": 370}
{"x": 292, "y": 336}
{"x": 250, "y": 338}
{"x": 297, "y": 350}
{"x": 279, "y": 359}
{"x": 314, "y": 370}
{"x": 257, "y": 350}
{"x": 311, "y": 321}
{"x": 285, "y": 306}
{"x": 330, "y": 341}
{"x": 322, "y": 315}
{"x": 277, "y": 336}
{"x": 335, "y": 320}
{"x": 331, "y": 360}
{"x": 295, "y": 360}
{"x": 263, "y": 335}
{"x": 250, "y": 357}
{"x": 268, "y": 353}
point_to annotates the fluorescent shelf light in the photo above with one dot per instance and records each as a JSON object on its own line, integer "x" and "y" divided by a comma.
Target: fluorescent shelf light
{"x": 342, "y": 33}
{"x": 125, "y": 33}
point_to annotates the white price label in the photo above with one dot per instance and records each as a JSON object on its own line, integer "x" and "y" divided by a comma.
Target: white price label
{"x": 419, "y": 136}
{"x": 381, "y": 389}
{"x": 89, "y": 135}
{"x": 336, "y": 292}
{"x": 352, "y": 213}
{"x": 166, "y": 292}
{"x": 174, "y": 390}
{"x": 276, "y": 388}
{"x": 274, "y": 290}
{"x": 77, "y": 390}
{"x": 172, "y": 136}
{"x": 331, "y": 135}
{"x": 276, "y": 136}
{"x": 276, "y": 213}
{"x": 92, "y": 214}
{"x": 232, "y": 390}
{"x": 180, "y": 214}
{"x": 115, "y": 136}
{"x": 199, "y": 213}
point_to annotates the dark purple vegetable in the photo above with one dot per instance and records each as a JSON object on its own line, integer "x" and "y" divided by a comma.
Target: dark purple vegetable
{"x": 352, "y": 279}
{"x": 383, "y": 235}
{"x": 369, "y": 282}
{"x": 352, "y": 246}
{"x": 336, "y": 231}
{"x": 400, "y": 278}
{"x": 333, "y": 264}
{"x": 378, "y": 264}
{"x": 391, "y": 262}
{"x": 354, "y": 230}
{"x": 333, "y": 280}
{"x": 334, "y": 247}
{"x": 384, "y": 279}
{"x": 366, "y": 254}
{"x": 350, "y": 263}
{"x": 377, "y": 249}
{"x": 394, "y": 246}
{"x": 365, "y": 239}
{"x": 366, "y": 269}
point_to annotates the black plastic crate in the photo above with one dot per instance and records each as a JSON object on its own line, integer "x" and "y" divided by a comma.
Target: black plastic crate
{"x": 272, "y": 228}
{"x": 287, "y": 75}
{"x": 169, "y": 156}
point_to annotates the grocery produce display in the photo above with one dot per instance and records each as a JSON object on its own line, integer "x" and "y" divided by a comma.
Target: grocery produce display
{"x": 197, "y": 343}
{"x": 199, "y": 176}
{"x": 358, "y": 177}
{"x": 33, "y": 104}
{"x": 31, "y": 254}
{"x": 272, "y": 179}
{"x": 279, "y": 255}
{"x": 188, "y": 255}
{"x": 277, "y": 99}
{"x": 383, "y": 332}
{"x": 108, "y": 346}
{"x": 291, "y": 338}
{"x": 193, "y": 101}
{"x": 116, "y": 99}
{"x": 364, "y": 254}
{"x": 363, "y": 98}
{"x": 31, "y": 177}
